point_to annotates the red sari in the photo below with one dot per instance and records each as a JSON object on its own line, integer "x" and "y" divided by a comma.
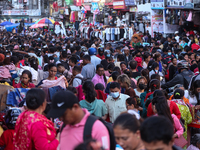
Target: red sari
{"x": 34, "y": 131}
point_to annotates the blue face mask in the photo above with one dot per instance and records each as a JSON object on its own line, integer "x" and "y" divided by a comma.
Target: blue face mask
{"x": 108, "y": 55}
{"x": 114, "y": 94}
{"x": 169, "y": 53}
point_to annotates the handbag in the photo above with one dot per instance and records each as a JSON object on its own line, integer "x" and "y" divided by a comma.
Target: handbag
{"x": 181, "y": 141}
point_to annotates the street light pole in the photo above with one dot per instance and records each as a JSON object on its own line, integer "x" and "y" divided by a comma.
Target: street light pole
{"x": 48, "y": 12}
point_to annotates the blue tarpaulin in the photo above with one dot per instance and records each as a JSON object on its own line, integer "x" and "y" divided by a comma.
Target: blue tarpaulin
{"x": 5, "y": 23}
{"x": 10, "y": 27}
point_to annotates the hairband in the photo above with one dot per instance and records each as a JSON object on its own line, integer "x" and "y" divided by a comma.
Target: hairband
{"x": 154, "y": 85}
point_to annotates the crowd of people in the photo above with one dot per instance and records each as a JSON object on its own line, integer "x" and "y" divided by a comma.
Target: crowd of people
{"x": 87, "y": 94}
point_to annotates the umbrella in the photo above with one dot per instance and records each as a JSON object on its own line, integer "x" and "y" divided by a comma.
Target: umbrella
{"x": 5, "y": 23}
{"x": 45, "y": 21}
{"x": 38, "y": 25}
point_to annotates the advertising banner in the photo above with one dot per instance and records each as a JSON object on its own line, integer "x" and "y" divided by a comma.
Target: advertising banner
{"x": 118, "y": 5}
{"x": 129, "y": 2}
{"x": 157, "y": 23}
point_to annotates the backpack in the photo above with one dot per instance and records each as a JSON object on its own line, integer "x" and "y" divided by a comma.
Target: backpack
{"x": 87, "y": 132}
{"x": 187, "y": 78}
{"x": 83, "y": 80}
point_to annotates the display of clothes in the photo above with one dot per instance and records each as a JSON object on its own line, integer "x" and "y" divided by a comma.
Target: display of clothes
{"x": 15, "y": 96}
{"x": 73, "y": 16}
{"x": 108, "y": 34}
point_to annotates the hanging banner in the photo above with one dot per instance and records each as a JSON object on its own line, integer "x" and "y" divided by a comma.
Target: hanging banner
{"x": 94, "y": 6}
{"x": 157, "y": 4}
{"x": 157, "y": 24}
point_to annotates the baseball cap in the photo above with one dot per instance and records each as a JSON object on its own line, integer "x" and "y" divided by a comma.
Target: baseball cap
{"x": 61, "y": 101}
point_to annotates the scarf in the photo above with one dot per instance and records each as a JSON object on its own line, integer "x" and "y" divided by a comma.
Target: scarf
{"x": 139, "y": 61}
{"x": 22, "y": 136}
{"x": 23, "y": 85}
{"x": 179, "y": 101}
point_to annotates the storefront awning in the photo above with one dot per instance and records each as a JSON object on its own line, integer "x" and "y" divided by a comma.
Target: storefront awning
{"x": 87, "y": 8}
{"x": 75, "y": 8}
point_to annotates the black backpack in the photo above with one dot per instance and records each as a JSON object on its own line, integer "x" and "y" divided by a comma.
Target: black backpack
{"x": 87, "y": 133}
{"x": 187, "y": 78}
{"x": 83, "y": 80}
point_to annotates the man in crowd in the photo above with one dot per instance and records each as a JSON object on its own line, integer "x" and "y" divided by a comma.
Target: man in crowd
{"x": 65, "y": 105}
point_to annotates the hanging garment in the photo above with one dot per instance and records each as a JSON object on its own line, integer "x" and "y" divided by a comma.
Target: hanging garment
{"x": 121, "y": 33}
{"x": 189, "y": 16}
{"x": 113, "y": 34}
{"x": 51, "y": 83}
{"x": 107, "y": 34}
{"x": 125, "y": 33}
{"x": 130, "y": 33}
{"x": 15, "y": 96}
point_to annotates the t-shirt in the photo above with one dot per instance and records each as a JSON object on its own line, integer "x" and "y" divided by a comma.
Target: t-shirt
{"x": 136, "y": 74}
{"x": 137, "y": 93}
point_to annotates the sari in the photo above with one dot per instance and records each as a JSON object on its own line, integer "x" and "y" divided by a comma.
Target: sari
{"x": 22, "y": 136}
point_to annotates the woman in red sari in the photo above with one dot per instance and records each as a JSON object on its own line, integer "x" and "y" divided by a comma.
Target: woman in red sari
{"x": 33, "y": 131}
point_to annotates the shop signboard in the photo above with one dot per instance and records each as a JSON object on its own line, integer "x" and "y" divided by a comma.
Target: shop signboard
{"x": 118, "y": 5}
{"x": 34, "y": 12}
{"x": 15, "y": 12}
{"x": 87, "y": 1}
{"x": 129, "y": 2}
{"x": 188, "y": 4}
{"x": 69, "y": 2}
{"x": 157, "y": 4}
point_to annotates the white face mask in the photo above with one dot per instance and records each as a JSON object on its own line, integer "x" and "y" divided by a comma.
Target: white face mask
{"x": 114, "y": 94}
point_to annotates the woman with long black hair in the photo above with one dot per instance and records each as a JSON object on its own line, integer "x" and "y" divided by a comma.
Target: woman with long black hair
{"x": 161, "y": 108}
{"x": 91, "y": 103}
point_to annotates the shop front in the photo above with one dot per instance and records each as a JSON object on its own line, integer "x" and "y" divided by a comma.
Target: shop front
{"x": 179, "y": 16}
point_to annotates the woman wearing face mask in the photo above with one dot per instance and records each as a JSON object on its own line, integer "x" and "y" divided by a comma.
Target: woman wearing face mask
{"x": 173, "y": 68}
{"x": 141, "y": 86}
{"x": 127, "y": 132}
{"x": 194, "y": 96}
